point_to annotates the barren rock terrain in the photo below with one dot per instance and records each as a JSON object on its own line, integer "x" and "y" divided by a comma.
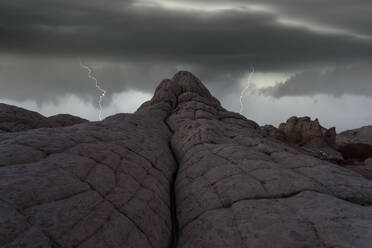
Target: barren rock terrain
{"x": 180, "y": 172}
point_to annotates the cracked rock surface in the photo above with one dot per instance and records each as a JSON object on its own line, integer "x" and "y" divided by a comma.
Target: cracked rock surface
{"x": 180, "y": 172}
{"x": 14, "y": 119}
{"x": 103, "y": 184}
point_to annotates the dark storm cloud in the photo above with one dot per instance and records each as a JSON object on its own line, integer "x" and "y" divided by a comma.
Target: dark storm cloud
{"x": 352, "y": 15}
{"x": 353, "y": 80}
{"x": 140, "y": 42}
{"x": 44, "y": 79}
{"x": 230, "y": 39}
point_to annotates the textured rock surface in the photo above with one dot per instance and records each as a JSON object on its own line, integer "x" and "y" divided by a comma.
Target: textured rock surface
{"x": 64, "y": 120}
{"x": 360, "y": 135}
{"x": 103, "y": 184}
{"x": 182, "y": 169}
{"x": 14, "y": 119}
{"x": 307, "y": 134}
{"x": 304, "y": 131}
{"x": 235, "y": 188}
{"x": 273, "y": 132}
{"x": 356, "y": 143}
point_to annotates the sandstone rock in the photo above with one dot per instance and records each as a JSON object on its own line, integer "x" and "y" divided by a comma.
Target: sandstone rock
{"x": 307, "y": 134}
{"x": 361, "y": 135}
{"x": 91, "y": 185}
{"x": 64, "y": 120}
{"x": 304, "y": 131}
{"x": 276, "y": 133}
{"x": 356, "y": 143}
{"x": 369, "y": 162}
{"x": 14, "y": 119}
{"x": 180, "y": 172}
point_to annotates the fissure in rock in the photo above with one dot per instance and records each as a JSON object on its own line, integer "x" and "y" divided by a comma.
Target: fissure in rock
{"x": 172, "y": 195}
{"x": 173, "y": 204}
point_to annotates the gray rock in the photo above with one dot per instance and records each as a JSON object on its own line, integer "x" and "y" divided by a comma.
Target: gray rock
{"x": 15, "y": 119}
{"x": 369, "y": 162}
{"x": 360, "y": 135}
{"x": 100, "y": 184}
{"x": 356, "y": 144}
{"x": 64, "y": 120}
{"x": 180, "y": 172}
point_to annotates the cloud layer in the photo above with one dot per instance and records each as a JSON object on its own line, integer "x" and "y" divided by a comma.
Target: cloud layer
{"x": 324, "y": 46}
{"x": 352, "y": 80}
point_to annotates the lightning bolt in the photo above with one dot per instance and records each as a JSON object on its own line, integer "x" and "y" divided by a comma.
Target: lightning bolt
{"x": 103, "y": 92}
{"x": 251, "y": 73}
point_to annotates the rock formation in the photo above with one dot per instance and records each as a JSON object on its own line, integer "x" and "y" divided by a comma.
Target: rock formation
{"x": 304, "y": 131}
{"x": 356, "y": 148}
{"x": 64, "y": 120}
{"x": 14, "y": 119}
{"x": 356, "y": 144}
{"x": 180, "y": 172}
{"x": 307, "y": 134}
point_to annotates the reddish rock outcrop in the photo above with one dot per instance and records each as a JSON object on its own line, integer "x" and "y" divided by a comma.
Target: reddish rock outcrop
{"x": 307, "y": 134}
{"x": 273, "y": 132}
{"x": 180, "y": 172}
{"x": 304, "y": 131}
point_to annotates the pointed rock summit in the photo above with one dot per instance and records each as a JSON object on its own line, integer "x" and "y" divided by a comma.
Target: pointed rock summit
{"x": 180, "y": 172}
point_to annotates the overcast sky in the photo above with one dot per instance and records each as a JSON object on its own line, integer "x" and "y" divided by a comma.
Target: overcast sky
{"x": 310, "y": 57}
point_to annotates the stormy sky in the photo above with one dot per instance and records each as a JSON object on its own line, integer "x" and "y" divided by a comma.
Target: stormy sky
{"x": 310, "y": 57}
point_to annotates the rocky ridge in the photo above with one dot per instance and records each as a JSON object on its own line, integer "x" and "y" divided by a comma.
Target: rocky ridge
{"x": 180, "y": 172}
{"x": 351, "y": 149}
{"x": 15, "y": 119}
{"x": 307, "y": 134}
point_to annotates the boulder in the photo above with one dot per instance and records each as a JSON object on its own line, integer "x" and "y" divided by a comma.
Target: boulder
{"x": 356, "y": 144}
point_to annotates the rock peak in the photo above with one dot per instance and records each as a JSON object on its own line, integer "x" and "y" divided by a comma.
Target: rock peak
{"x": 184, "y": 84}
{"x": 190, "y": 83}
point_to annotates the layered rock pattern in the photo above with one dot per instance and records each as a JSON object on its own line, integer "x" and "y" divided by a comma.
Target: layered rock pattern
{"x": 180, "y": 172}
{"x": 235, "y": 188}
{"x": 103, "y": 184}
{"x": 307, "y": 134}
{"x": 304, "y": 131}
